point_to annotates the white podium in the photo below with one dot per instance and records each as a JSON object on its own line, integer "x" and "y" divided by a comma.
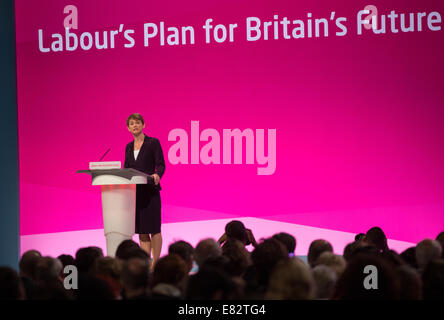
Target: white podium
{"x": 118, "y": 188}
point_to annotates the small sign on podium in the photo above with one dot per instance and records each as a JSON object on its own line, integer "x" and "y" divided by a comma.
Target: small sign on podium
{"x": 105, "y": 165}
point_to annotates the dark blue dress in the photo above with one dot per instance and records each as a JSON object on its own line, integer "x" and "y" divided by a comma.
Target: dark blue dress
{"x": 148, "y": 205}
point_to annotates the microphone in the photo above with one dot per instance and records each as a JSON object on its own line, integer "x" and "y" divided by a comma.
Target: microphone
{"x": 105, "y": 154}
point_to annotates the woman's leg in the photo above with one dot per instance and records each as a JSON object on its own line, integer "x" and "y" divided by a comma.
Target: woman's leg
{"x": 145, "y": 243}
{"x": 156, "y": 246}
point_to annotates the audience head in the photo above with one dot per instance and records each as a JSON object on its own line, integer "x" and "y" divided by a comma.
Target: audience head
{"x": 236, "y": 230}
{"x": 135, "y": 277}
{"x": 185, "y": 251}
{"x": 265, "y": 256}
{"x": 335, "y": 262}
{"x": 212, "y": 284}
{"x": 410, "y": 283}
{"x": 67, "y": 260}
{"x": 238, "y": 257}
{"x": 28, "y": 263}
{"x": 349, "y": 248}
{"x": 440, "y": 239}
{"x": 350, "y": 286}
{"x": 170, "y": 269}
{"x": 375, "y": 236}
{"x": 291, "y": 279}
{"x": 315, "y": 250}
{"x": 409, "y": 257}
{"x": 109, "y": 269}
{"x": 48, "y": 270}
{"x": 85, "y": 258}
{"x": 288, "y": 240}
{"x": 360, "y": 237}
{"x": 206, "y": 248}
{"x": 393, "y": 257}
{"x": 426, "y": 251}
{"x": 92, "y": 287}
{"x": 325, "y": 280}
{"x": 11, "y": 287}
{"x": 124, "y": 247}
{"x": 433, "y": 280}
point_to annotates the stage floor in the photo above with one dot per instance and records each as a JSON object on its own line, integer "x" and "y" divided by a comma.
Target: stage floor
{"x": 54, "y": 244}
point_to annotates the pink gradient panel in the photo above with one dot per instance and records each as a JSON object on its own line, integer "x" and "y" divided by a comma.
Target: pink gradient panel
{"x": 358, "y": 119}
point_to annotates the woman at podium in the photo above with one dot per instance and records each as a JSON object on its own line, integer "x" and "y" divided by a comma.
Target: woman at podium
{"x": 145, "y": 154}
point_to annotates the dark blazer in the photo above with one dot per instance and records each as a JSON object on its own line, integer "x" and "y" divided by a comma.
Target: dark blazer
{"x": 150, "y": 159}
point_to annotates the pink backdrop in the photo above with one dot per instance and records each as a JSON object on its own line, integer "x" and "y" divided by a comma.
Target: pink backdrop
{"x": 358, "y": 119}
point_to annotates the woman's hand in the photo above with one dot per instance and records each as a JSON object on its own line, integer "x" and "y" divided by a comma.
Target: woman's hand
{"x": 156, "y": 178}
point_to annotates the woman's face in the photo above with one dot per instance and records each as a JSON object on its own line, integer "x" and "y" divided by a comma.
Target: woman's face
{"x": 135, "y": 127}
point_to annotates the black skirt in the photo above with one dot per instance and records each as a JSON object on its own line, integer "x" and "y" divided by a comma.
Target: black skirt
{"x": 148, "y": 207}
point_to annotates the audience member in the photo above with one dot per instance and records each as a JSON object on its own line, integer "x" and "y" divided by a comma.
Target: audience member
{"x": 125, "y": 247}
{"x": 27, "y": 266}
{"x": 411, "y": 283}
{"x": 288, "y": 240}
{"x": 360, "y": 237}
{"x": 426, "y": 251}
{"x": 67, "y": 260}
{"x": 264, "y": 257}
{"x": 375, "y": 236}
{"x": 85, "y": 258}
{"x": 169, "y": 277}
{"x": 335, "y": 262}
{"x": 236, "y": 230}
{"x": 440, "y": 239}
{"x": 48, "y": 270}
{"x": 433, "y": 280}
{"x": 238, "y": 257}
{"x": 206, "y": 248}
{"x": 185, "y": 251}
{"x": 135, "y": 279}
{"x": 350, "y": 286}
{"x": 409, "y": 257}
{"x": 212, "y": 284}
{"x": 109, "y": 270}
{"x": 93, "y": 288}
{"x": 325, "y": 280}
{"x": 315, "y": 250}
{"x": 291, "y": 279}
{"x": 11, "y": 287}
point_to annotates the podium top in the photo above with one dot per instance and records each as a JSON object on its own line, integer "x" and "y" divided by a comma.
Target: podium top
{"x": 118, "y": 176}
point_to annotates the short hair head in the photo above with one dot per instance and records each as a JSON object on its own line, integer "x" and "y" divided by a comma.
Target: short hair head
{"x": 316, "y": 248}
{"x": 426, "y": 251}
{"x": 291, "y": 279}
{"x": 170, "y": 269}
{"x": 135, "y": 274}
{"x": 184, "y": 250}
{"x": 135, "y": 116}
{"x": 325, "y": 280}
{"x": 335, "y": 262}
{"x": 288, "y": 240}
{"x": 206, "y": 248}
{"x": 28, "y": 263}
{"x": 85, "y": 258}
{"x": 124, "y": 247}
